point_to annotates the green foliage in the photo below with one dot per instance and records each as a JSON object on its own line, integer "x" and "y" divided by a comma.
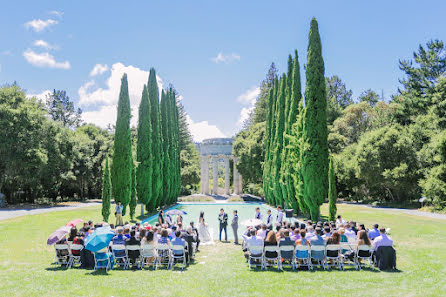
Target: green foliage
{"x": 190, "y": 169}
{"x": 106, "y": 192}
{"x": 259, "y": 114}
{"x": 332, "y": 194}
{"x": 122, "y": 154}
{"x": 168, "y": 148}
{"x": 369, "y": 96}
{"x": 315, "y": 146}
{"x": 338, "y": 97}
{"x": 278, "y": 141}
{"x": 144, "y": 156}
{"x": 133, "y": 203}
{"x": 61, "y": 109}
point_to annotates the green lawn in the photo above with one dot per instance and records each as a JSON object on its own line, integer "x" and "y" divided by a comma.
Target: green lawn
{"x": 221, "y": 270}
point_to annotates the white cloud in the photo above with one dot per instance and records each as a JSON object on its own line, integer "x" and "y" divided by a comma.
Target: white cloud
{"x": 44, "y": 44}
{"x": 107, "y": 98}
{"x": 41, "y": 96}
{"x": 56, "y": 13}
{"x": 248, "y": 99}
{"x": 44, "y": 60}
{"x": 39, "y": 25}
{"x": 99, "y": 69}
{"x": 228, "y": 58}
{"x": 203, "y": 130}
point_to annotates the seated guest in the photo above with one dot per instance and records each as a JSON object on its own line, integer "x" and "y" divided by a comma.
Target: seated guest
{"x": 271, "y": 240}
{"x": 353, "y": 227}
{"x": 339, "y": 221}
{"x": 263, "y": 231}
{"x": 83, "y": 229}
{"x": 119, "y": 239}
{"x": 335, "y": 238}
{"x": 142, "y": 233}
{"x": 382, "y": 239}
{"x": 348, "y": 231}
{"x": 79, "y": 239}
{"x": 195, "y": 233}
{"x": 189, "y": 237}
{"x": 343, "y": 237}
{"x": 318, "y": 240}
{"x": 133, "y": 255}
{"x": 327, "y": 233}
{"x": 179, "y": 220}
{"x": 126, "y": 232}
{"x": 309, "y": 233}
{"x": 73, "y": 234}
{"x": 251, "y": 240}
{"x": 302, "y": 241}
{"x": 374, "y": 232}
{"x": 178, "y": 241}
{"x": 296, "y": 235}
{"x": 149, "y": 240}
{"x": 286, "y": 240}
{"x": 362, "y": 227}
{"x": 164, "y": 237}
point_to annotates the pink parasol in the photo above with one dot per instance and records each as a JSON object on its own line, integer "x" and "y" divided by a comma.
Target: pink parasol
{"x": 75, "y": 222}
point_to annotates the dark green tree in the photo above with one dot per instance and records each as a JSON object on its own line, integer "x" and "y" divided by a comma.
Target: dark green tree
{"x": 122, "y": 154}
{"x": 62, "y": 109}
{"x": 332, "y": 194}
{"x": 278, "y": 140}
{"x": 106, "y": 192}
{"x": 315, "y": 145}
{"x": 157, "y": 150}
{"x": 167, "y": 148}
{"x": 133, "y": 203}
{"x": 369, "y": 96}
{"x": 144, "y": 156}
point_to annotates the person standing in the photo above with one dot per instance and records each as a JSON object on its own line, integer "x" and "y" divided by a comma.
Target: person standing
{"x": 234, "y": 225}
{"x": 223, "y": 219}
{"x": 118, "y": 213}
{"x": 258, "y": 214}
{"x": 279, "y": 217}
{"x": 269, "y": 220}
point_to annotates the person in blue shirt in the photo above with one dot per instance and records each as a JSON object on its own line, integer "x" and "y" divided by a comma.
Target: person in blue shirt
{"x": 374, "y": 232}
{"x": 119, "y": 239}
{"x": 178, "y": 241}
{"x": 318, "y": 240}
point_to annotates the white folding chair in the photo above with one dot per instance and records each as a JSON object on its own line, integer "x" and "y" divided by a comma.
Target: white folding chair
{"x": 315, "y": 252}
{"x": 333, "y": 256}
{"x": 102, "y": 256}
{"x": 255, "y": 253}
{"x": 306, "y": 261}
{"x": 178, "y": 252}
{"x": 133, "y": 248}
{"x": 287, "y": 249}
{"x": 162, "y": 255}
{"x": 120, "y": 255}
{"x": 62, "y": 254}
{"x": 147, "y": 251}
{"x": 75, "y": 259}
{"x": 346, "y": 260}
{"x": 369, "y": 253}
{"x": 275, "y": 260}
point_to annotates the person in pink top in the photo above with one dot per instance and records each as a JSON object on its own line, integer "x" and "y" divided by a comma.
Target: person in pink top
{"x": 382, "y": 240}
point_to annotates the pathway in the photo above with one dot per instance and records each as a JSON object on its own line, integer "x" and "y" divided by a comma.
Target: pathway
{"x": 13, "y": 213}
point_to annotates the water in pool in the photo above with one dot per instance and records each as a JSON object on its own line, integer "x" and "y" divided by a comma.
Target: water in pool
{"x": 211, "y": 212}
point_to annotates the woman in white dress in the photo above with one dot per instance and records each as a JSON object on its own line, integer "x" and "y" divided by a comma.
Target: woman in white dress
{"x": 203, "y": 232}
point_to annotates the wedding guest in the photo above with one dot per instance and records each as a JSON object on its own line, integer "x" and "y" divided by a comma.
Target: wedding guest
{"x": 133, "y": 255}
{"x": 382, "y": 239}
{"x": 374, "y": 232}
{"x": 339, "y": 220}
{"x": 270, "y": 240}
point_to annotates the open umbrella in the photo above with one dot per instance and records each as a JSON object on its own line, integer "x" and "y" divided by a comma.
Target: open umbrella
{"x": 58, "y": 235}
{"x": 74, "y": 222}
{"x": 175, "y": 212}
{"x": 99, "y": 239}
{"x": 252, "y": 222}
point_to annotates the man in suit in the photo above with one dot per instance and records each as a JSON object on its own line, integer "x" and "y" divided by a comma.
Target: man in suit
{"x": 223, "y": 219}
{"x": 279, "y": 217}
{"x": 269, "y": 220}
{"x": 258, "y": 214}
{"x": 234, "y": 225}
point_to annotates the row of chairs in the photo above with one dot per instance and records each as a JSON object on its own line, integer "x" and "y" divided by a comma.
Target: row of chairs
{"x": 65, "y": 256}
{"x": 333, "y": 256}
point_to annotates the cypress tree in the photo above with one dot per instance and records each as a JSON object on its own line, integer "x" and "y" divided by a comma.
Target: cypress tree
{"x": 157, "y": 153}
{"x": 332, "y": 195}
{"x": 315, "y": 146}
{"x": 144, "y": 151}
{"x": 177, "y": 163}
{"x": 106, "y": 192}
{"x": 268, "y": 141}
{"x": 167, "y": 181}
{"x": 278, "y": 140}
{"x": 270, "y": 181}
{"x": 132, "y": 204}
{"x": 122, "y": 154}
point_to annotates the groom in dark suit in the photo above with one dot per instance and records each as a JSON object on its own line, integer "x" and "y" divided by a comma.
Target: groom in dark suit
{"x": 223, "y": 219}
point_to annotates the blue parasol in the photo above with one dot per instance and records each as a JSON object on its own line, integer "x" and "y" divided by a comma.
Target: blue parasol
{"x": 176, "y": 212}
{"x": 99, "y": 239}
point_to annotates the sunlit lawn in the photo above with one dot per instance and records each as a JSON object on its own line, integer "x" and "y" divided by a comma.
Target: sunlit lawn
{"x": 25, "y": 265}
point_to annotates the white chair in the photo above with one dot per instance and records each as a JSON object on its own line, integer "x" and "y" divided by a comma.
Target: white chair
{"x": 368, "y": 250}
{"x": 147, "y": 251}
{"x": 346, "y": 260}
{"x": 178, "y": 252}
{"x": 163, "y": 255}
{"x": 75, "y": 259}
{"x": 333, "y": 256}
{"x": 290, "y": 250}
{"x": 275, "y": 260}
{"x": 120, "y": 255}
{"x": 62, "y": 254}
{"x": 133, "y": 248}
{"x": 255, "y": 253}
{"x": 315, "y": 251}
{"x": 306, "y": 261}
{"x": 102, "y": 256}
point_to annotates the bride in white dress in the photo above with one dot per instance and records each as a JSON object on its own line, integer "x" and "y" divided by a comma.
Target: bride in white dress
{"x": 203, "y": 232}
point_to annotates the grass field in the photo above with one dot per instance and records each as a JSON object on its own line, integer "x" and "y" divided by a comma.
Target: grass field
{"x": 221, "y": 270}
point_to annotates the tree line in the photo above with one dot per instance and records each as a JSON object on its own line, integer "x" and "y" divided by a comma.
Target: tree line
{"x": 380, "y": 150}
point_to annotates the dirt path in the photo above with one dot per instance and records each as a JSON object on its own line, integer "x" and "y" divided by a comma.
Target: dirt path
{"x": 13, "y": 213}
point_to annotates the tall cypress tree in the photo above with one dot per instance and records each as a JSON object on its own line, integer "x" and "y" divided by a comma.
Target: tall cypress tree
{"x": 278, "y": 140}
{"x": 157, "y": 153}
{"x": 315, "y": 145}
{"x": 332, "y": 195}
{"x": 177, "y": 163}
{"x": 132, "y": 204}
{"x": 270, "y": 170}
{"x": 268, "y": 142}
{"x": 144, "y": 151}
{"x": 167, "y": 182}
{"x": 122, "y": 154}
{"x": 106, "y": 192}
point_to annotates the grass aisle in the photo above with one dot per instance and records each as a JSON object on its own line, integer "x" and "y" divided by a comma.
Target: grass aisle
{"x": 221, "y": 270}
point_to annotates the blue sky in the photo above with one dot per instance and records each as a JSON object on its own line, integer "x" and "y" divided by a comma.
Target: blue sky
{"x": 215, "y": 53}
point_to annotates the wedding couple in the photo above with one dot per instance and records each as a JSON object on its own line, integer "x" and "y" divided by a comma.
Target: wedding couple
{"x": 203, "y": 232}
